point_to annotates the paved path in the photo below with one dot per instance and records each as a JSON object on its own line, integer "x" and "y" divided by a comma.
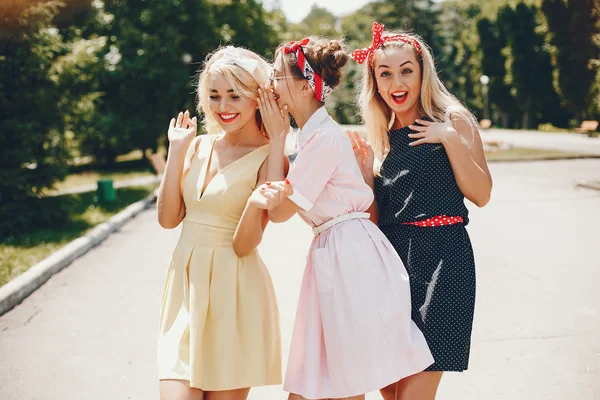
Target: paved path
{"x": 551, "y": 141}
{"x": 89, "y": 333}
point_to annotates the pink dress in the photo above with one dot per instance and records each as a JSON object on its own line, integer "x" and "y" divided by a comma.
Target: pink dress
{"x": 353, "y": 332}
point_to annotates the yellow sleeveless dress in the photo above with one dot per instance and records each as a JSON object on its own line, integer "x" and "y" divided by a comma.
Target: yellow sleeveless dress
{"x": 219, "y": 322}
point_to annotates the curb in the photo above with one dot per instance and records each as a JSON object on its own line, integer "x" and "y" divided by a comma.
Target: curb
{"x": 17, "y": 290}
{"x": 588, "y": 185}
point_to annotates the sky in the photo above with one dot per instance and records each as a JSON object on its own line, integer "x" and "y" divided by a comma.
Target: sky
{"x": 296, "y": 10}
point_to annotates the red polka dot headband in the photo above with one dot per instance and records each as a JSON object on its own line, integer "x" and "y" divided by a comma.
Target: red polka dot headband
{"x": 360, "y": 55}
{"x": 315, "y": 81}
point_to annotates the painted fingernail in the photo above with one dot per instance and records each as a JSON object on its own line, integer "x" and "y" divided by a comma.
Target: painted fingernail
{"x": 287, "y": 181}
{"x": 262, "y": 188}
{"x": 268, "y": 183}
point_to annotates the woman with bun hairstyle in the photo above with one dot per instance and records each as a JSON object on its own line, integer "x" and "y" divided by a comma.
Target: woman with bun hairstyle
{"x": 426, "y": 157}
{"x": 353, "y": 331}
{"x": 219, "y": 323}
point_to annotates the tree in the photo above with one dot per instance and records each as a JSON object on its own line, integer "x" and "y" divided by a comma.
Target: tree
{"x": 247, "y": 24}
{"x": 153, "y": 50}
{"x": 493, "y": 64}
{"x": 573, "y": 25}
{"x": 32, "y": 141}
{"x": 531, "y": 67}
{"x": 145, "y": 78}
{"x": 318, "y": 22}
{"x": 458, "y": 61}
{"x": 416, "y": 16}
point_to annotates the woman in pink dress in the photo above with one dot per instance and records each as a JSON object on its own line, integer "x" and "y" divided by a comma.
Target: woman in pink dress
{"x": 353, "y": 332}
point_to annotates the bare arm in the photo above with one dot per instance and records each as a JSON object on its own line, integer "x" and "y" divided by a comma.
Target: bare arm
{"x": 251, "y": 227}
{"x": 469, "y": 165}
{"x": 171, "y": 208}
{"x": 277, "y": 125}
{"x": 254, "y": 220}
{"x": 277, "y": 170}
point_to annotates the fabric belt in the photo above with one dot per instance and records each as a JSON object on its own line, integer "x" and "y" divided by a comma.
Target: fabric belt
{"x": 317, "y": 230}
{"x": 439, "y": 220}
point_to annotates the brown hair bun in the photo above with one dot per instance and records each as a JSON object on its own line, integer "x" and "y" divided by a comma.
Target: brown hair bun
{"x": 327, "y": 56}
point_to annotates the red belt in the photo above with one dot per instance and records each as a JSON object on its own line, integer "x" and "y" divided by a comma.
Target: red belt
{"x": 439, "y": 220}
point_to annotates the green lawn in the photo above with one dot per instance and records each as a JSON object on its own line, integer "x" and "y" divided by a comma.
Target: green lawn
{"x": 91, "y": 177}
{"x": 19, "y": 253}
{"x": 517, "y": 153}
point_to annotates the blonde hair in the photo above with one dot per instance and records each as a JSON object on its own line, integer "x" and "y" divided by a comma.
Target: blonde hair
{"x": 243, "y": 83}
{"x": 435, "y": 101}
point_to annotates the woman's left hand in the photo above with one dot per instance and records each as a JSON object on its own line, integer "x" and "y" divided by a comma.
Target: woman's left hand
{"x": 431, "y": 132}
{"x": 270, "y": 194}
{"x": 363, "y": 153}
{"x": 275, "y": 120}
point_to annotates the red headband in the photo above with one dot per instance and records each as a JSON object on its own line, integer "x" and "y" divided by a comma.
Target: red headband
{"x": 292, "y": 47}
{"x": 361, "y": 55}
{"x": 321, "y": 89}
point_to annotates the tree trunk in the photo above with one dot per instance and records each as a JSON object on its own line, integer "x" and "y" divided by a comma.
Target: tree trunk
{"x": 525, "y": 120}
{"x": 504, "y": 118}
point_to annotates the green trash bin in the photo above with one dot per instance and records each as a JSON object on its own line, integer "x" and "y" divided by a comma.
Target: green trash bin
{"x": 106, "y": 192}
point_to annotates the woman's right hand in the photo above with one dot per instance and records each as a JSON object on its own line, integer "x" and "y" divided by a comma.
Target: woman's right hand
{"x": 182, "y": 130}
{"x": 363, "y": 153}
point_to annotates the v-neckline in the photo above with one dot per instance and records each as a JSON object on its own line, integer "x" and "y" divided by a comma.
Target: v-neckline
{"x": 207, "y": 164}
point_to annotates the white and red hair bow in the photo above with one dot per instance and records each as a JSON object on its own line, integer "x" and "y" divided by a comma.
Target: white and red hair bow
{"x": 360, "y": 55}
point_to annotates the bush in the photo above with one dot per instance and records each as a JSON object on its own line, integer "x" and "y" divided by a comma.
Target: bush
{"x": 551, "y": 128}
{"x": 32, "y": 214}
{"x": 32, "y": 142}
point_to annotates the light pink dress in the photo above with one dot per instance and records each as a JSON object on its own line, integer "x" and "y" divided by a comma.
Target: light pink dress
{"x": 353, "y": 332}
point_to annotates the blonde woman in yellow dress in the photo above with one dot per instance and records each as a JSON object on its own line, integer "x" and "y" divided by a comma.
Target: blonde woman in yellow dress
{"x": 219, "y": 324}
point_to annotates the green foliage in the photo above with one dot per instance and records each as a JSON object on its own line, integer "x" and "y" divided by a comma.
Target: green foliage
{"x": 318, "y": 22}
{"x": 416, "y": 16}
{"x": 32, "y": 140}
{"x": 493, "y": 64}
{"x": 153, "y": 50}
{"x": 574, "y": 25}
{"x": 246, "y": 23}
{"x": 103, "y": 77}
{"x": 531, "y": 66}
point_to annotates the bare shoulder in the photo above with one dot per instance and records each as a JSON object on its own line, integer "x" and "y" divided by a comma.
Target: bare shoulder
{"x": 462, "y": 123}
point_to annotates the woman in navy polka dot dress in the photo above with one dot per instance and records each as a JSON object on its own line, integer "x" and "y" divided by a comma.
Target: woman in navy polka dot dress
{"x": 425, "y": 156}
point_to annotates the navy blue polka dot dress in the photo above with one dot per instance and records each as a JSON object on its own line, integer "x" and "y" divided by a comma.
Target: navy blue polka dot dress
{"x": 417, "y": 183}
